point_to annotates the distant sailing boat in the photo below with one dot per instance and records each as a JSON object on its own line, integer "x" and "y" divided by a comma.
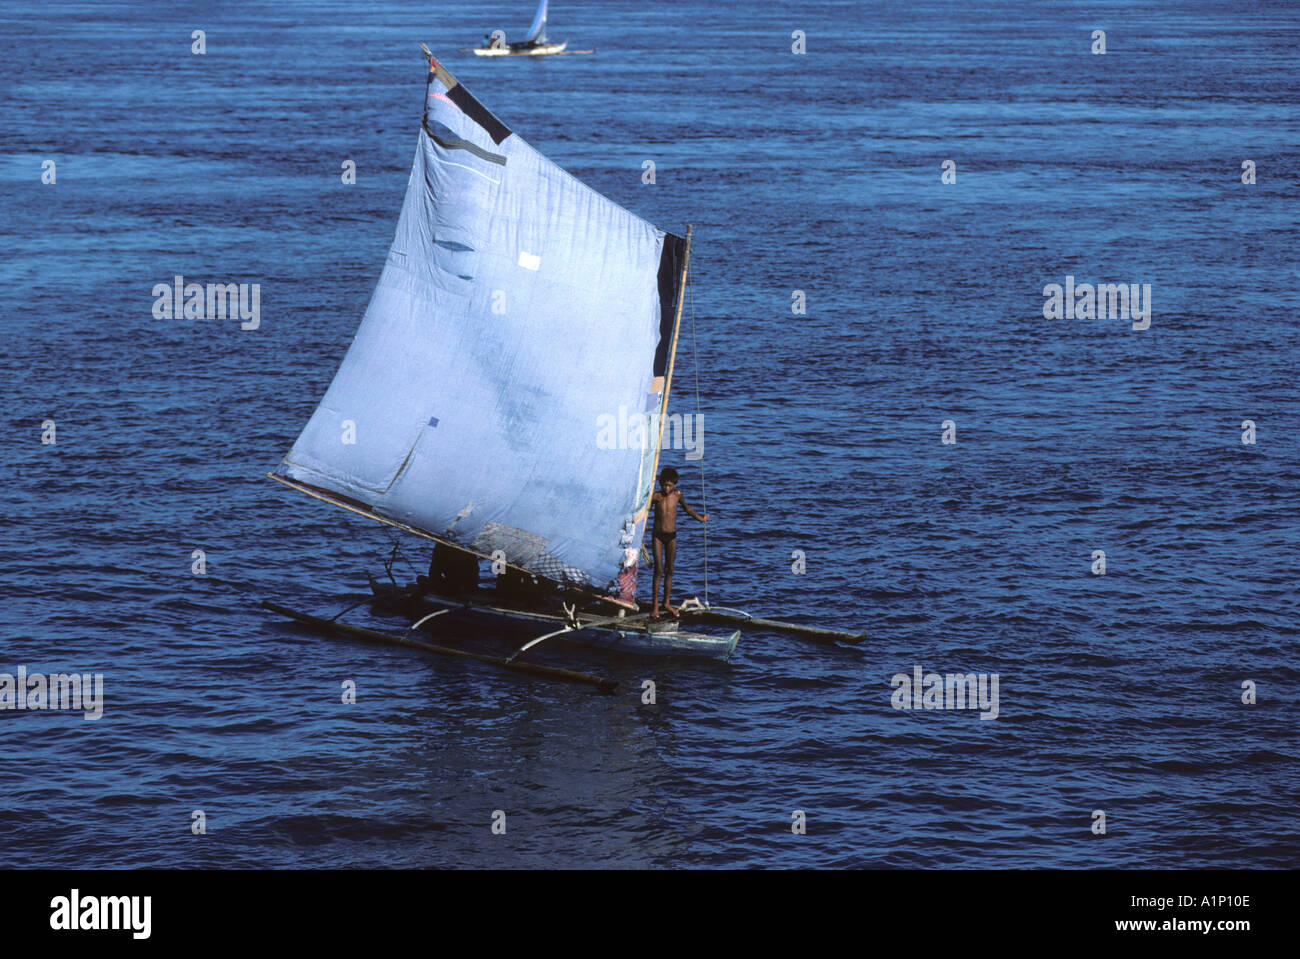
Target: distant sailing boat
{"x": 533, "y": 45}
{"x": 516, "y": 310}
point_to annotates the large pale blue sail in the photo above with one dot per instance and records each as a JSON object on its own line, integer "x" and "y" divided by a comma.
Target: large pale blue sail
{"x": 537, "y": 32}
{"x": 517, "y": 312}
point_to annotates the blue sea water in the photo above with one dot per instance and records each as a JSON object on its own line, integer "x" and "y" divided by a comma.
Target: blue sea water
{"x": 818, "y": 173}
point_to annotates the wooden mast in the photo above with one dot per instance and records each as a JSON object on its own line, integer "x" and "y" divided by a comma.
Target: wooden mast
{"x": 672, "y": 359}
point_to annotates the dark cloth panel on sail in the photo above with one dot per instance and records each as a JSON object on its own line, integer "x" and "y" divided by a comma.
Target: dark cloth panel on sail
{"x": 458, "y": 95}
{"x": 670, "y": 275}
{"x": 497, "y": 130}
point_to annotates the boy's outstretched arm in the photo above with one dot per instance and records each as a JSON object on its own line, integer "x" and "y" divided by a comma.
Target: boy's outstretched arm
{"x": 703, "y": 519}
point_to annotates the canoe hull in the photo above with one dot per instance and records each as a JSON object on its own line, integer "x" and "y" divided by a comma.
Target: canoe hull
{"x": 659, "y": 640}
{"x": 539, "y": 50}
{"x": 661, "y": 643}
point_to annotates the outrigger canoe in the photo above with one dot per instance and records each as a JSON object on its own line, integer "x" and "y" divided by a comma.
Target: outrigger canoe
{"x": 534, "y": 43}
{"x": 477, "y": 434}
{"x": 521, "y": 50}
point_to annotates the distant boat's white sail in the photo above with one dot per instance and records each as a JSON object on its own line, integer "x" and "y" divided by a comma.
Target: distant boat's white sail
{"x": 519, "y": 314}
{"x": 537, "y": 32}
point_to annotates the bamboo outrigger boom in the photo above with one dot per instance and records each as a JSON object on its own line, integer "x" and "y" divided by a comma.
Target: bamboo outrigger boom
{"x": 575, "y": 624}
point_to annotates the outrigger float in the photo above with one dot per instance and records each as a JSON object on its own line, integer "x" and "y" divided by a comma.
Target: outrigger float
{"x": 517, "y": 308}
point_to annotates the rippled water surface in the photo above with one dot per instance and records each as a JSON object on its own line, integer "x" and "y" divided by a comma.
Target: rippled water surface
{"x": 819, "y": 173}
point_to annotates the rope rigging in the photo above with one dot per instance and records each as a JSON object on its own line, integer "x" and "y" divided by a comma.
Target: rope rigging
{"x": 395, "y": 538}
{"x": 699, "y": 432}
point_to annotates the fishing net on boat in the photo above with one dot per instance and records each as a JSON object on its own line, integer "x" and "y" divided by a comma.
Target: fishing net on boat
{"x": 528, "y": 550}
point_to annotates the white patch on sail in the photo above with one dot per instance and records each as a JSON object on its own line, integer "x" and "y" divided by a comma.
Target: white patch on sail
{"x": 529, "y": 261}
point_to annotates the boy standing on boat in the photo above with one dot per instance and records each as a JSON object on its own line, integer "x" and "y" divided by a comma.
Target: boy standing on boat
{"x": 665, "y": 501}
